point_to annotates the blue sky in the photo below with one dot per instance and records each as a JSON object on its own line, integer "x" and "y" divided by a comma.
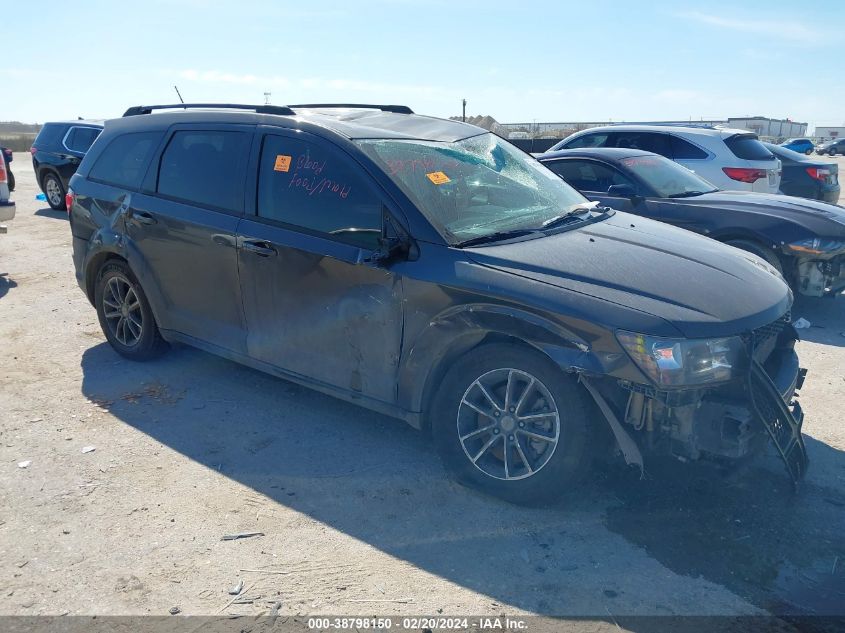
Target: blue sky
{"x": 516, "y": 61}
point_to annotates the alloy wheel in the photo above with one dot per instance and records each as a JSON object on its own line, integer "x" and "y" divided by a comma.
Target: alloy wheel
{"x": 122, "y": 311}
{"x": 508, "y": 424}
{"x": 54, "y": 191}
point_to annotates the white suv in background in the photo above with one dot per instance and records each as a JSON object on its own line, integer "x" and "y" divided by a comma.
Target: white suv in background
{"x": 729, "y": 158}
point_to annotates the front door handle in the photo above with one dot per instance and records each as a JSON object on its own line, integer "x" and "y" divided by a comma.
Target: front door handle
{"x": 260, "y": 248}
{"x": 224, "y": 240}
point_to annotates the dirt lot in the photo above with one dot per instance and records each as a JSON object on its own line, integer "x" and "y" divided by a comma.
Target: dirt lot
{"x": 356, "y": 512}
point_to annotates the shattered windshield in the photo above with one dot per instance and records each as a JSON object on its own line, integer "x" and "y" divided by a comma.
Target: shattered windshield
{"x": 474, "y": 187}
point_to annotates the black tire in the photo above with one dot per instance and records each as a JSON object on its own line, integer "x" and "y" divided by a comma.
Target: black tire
{"x": 808, "y": 152}
{"x": 759, "y": 250}
{"x": 11, "y": 178}
{"x": 452, "y": 420}
{"x": 54, "y": 190}
{"x": 831, "y": 152}
{"x": 138, "y": 339}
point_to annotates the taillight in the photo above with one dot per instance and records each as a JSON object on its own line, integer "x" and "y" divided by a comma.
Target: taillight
{"x": 3, "y": 176}
{"x": 69, "y": 198}
{"x": 818, "y": 173}
{"x": 744, "y": 174}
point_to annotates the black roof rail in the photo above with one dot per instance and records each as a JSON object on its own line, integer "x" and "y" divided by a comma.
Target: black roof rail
{"x": 260, "y": 109}
{"x": 398, "y": 109}
{"x": 706, "y": 126}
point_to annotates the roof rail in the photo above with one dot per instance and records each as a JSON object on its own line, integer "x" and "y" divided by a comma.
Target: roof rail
{"x": 398, "y": 109}
{"x": 260, "y": 109}
{"x": 706, "y": 126}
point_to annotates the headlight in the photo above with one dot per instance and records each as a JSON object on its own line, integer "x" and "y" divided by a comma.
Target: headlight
{"x": 680, "y": 362}
{"x": 817, "y": 246}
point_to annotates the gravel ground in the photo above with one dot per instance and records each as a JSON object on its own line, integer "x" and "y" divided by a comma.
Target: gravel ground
{"x": 356, "y": 513}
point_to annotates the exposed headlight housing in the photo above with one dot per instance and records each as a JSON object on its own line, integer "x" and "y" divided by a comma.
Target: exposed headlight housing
{"x": 684, "y": 362}
{"x": 817, "y": 246}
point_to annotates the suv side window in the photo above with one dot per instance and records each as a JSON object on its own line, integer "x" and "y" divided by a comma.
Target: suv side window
{"x": 588, "y": 140}
{"x": 205, "y": 168}
{"x": 587, "y": 175}
{"x": 308, "y": 186}
{"x": 748, "y": 147}
{"x": 685, "y": 150}
{"x": 645, "y": 141}
{"x": 80, "y": 139}
{"x": 123, "y": 162}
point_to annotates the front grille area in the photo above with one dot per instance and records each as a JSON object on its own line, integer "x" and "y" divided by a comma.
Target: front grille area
{"x": 763, "y": 340}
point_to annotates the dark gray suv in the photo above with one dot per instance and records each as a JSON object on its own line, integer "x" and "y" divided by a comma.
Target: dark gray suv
{"x": 429, "y": 270}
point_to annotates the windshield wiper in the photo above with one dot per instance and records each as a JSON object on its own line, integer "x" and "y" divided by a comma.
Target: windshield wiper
{"x": 498, "y": 236}
{"x": 574, "y": 210}
{"x": 690, "y": 194}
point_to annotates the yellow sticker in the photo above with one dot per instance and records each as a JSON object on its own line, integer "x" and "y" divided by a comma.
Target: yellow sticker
{"x": 282, "y": 163}
{"x": 438, "y": 178}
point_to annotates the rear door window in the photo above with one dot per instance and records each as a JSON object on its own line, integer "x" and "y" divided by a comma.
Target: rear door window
{"x": 645, "y": 141}
{"x": 80, "y": 139}
{"x": 123, "y": 162}
{"x": 310, "y": 186}
{"x": 748, "y": 147}
{"x": 684, "y": 150}
{"x": 588, "y": 140}
{"x": 206, "y": 168}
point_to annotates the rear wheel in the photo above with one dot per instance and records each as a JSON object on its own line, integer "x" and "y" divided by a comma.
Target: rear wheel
{"x": 54, "y": 191}
{"x": 809, "y": 151}
{"x": 125, "y": 315}
{"x": 507, "y": 421}
{"x": 832, "y": 151}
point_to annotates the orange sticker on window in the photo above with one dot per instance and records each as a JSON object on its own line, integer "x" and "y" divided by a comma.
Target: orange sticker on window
{"x": 282, "y": 163}
{"x": 438, "y": 178}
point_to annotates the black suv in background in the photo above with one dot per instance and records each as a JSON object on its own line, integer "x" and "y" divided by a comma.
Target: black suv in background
{"x": 56, "y": 153}
{"x": 429, "y": 270}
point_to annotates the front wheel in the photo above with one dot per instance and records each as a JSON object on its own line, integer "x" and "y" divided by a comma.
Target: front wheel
{"x": 125, "y": 315}
{"x": 808, "y": 152}
{"x": 509, "y": 422}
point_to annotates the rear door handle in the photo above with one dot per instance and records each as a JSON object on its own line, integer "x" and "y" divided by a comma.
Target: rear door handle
{"x": 260, "y": 248}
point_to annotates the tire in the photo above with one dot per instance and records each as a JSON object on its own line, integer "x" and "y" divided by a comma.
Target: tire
{"x": 759, "y": 250}
{"x": 831, "y": 152}
{"x": 53, "y": 189}
{"x": 540, "y": 470}
{"x": 808, "y": 152}
{"x": 11, "y": 182}
{"x": 129, "y": 326}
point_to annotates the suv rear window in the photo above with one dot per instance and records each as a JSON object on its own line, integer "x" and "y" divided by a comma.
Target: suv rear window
{"x": 79, "y": 139}
{"x": 748, "y": 147}
{"x": 123, "y": 162}
{"x": 206, "y": 168}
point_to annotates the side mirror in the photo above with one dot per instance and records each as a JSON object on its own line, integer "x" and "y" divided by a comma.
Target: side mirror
{"x": 389, "y": 248}
{"x": 622, "y": 191}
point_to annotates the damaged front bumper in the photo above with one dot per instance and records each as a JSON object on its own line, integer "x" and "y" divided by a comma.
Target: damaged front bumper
{"x": 727, "y": 422}
{"x": 820, "y": 277}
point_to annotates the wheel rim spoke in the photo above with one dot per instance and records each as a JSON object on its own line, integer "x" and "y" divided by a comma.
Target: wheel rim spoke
{"x": 472, "y": 434}
{"x": 537, "y": 436}
{"x": 522, "y": 456}
{"x": 487, "y": 395}
{"x": 477, "y": 409}
{"x": 122, "y": 311}
{"x": 533, "y": 417}
{"x": 524, "y": 395}
{"x": 485, "y": 448}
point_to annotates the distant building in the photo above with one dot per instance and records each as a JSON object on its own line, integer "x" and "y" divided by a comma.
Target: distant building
{"x": 824, "y": 133}
{"x": 775, "y": 128}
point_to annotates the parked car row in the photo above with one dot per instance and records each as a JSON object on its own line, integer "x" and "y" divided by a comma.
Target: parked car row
{"x": 428, "y": 269}
{"x": 803, "y": 240}
{"x": 806, "y": 146}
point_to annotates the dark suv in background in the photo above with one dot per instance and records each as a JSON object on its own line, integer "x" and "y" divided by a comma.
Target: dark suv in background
{"x": 56, "y": 153}
{"x": 430, "y": 270}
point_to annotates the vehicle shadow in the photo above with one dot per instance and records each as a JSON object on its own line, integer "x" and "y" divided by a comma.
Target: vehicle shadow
{"x": 47, "y": 212}
{"x": 6, "y": 284}
{"x": 826, "y": 316}
{"x": 379, "y": 481}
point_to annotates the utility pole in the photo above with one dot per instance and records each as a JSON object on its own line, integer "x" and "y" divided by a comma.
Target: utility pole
{"x": 464, "y": 115}
{"x": 267, "y": 96}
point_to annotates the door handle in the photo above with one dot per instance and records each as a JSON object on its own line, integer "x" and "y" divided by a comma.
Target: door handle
{"x": 142, "y": 217}
{"x": 262, "y": 249}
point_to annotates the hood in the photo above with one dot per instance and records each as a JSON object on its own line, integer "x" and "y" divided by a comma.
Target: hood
{"x": 822, "y": 218}
{"x": 703, "y": 288}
